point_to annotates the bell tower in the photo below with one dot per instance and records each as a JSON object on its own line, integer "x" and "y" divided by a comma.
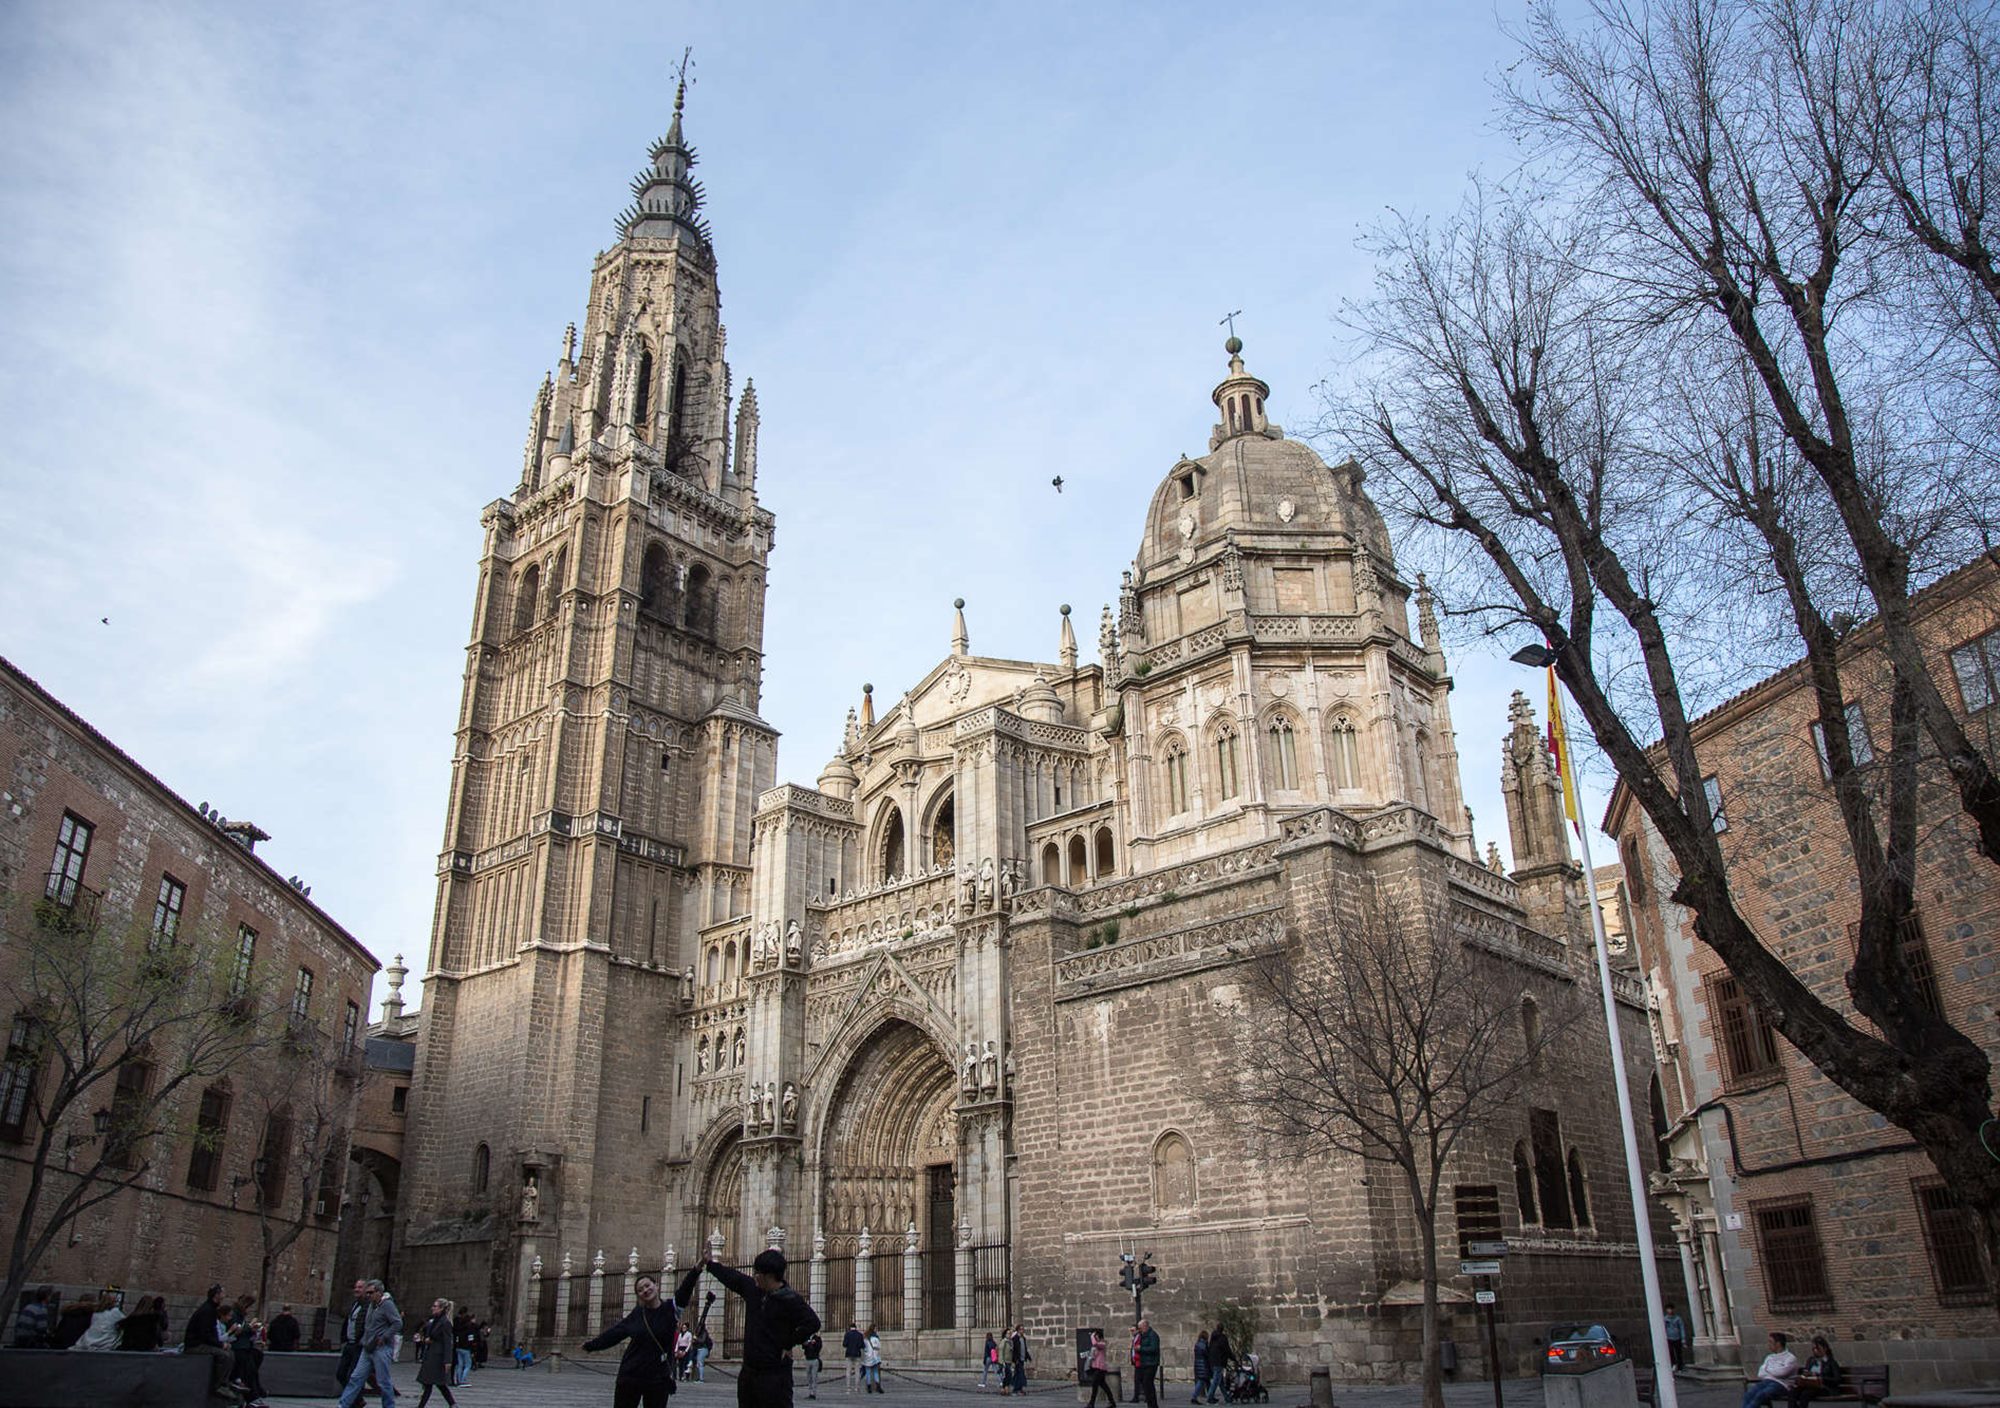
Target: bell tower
{"x": 608, "y": 758}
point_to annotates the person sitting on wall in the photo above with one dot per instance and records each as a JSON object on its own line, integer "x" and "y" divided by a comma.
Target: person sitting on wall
{"x": 1776, "y": 1376}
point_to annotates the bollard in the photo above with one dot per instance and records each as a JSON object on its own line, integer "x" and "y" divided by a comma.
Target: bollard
{"x": 1322, "y": 1388}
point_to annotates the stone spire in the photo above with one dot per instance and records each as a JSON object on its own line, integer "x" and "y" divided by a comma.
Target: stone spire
{"x": 392, "y": 1005}
{"x": 1066, "y": 647}
{"x": 961, "y": 642}
{"x": 746, "y": 435}
{"x": 1240, "y": 397}
{"x": 1427, "y": 621}
{"x": 666, "y": 198}
{"x": 867, "y": 708}
{"x": 1107, "y": 641}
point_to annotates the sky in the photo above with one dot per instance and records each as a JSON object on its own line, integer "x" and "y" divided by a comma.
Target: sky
{"x": 280, "y": 282}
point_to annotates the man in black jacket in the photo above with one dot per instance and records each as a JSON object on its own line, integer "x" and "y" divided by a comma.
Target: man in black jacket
{"x": 203, "y": 1336}
{"x": 775, "y": 1318}
{"x": 646, "y": 1373}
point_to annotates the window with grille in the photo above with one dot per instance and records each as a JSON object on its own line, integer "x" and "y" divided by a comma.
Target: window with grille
{"x": 1951, "y": 1232}
{"x": 72, "y": 851}
{"x": 246, "y": 956}
{"x": 272, "y": 1155}
{"x": 1794, "y": 1268}
{"x": 128, "y": 1115}
{"x": 1748, "y": 1043}
{"x": 1718, "y": 820}
{"x": 166, "y": 913}
{"x": 1858, "y": 743}
{"x": 350, "y": 1029}
{"x": 302, "y": 993}
{"x": 17, "y": 1080}
{"x": 1916, "y": 952}
{"x": 1478, "y": 1208}
{"x": 1551, "y": 1178}
{"x": 1977, "y": 666}
{"x": 205, "y": 1162}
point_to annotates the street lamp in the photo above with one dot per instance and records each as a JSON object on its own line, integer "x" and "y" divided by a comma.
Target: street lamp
{"x": 1545, "y": 657}
{"x": 100, "y": 1122}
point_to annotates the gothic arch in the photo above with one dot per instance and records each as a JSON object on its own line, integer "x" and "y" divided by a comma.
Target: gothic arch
{"x": 940, "y": 837}
{"x": 890, "y": 848}
{"x": 529, "y": 588}
{"x": 1279, "y": 731}
{"x": 1343, "y": 747}
{"x": 1176, "y": 774}
{"x": 1222, "y": 747}
{"x": 1173, "y": 1174}
{"x": 718, "y": 1200}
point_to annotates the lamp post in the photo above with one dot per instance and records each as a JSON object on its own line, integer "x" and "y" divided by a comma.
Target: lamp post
{"x": 1544, "y": 657}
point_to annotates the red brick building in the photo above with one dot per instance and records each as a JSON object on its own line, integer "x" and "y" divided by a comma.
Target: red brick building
{"x": 1796, "y": 1208}
{"x": 84, "y": 824}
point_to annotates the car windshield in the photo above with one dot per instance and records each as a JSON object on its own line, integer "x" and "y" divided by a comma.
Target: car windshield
{"x": 1578, "y": 1332}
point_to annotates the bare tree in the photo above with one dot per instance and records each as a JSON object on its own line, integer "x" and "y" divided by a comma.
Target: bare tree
{"x": 114, "y": 1023}
{"x": 306, "y": 1098}
{"x": 1699, "y": 383}
{"x": 1392, "y": 1039}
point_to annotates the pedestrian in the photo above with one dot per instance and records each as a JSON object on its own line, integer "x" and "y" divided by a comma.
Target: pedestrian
{"x": 245, "y": 1336}
{"x": 1776, "y": 1377}
{"x": 1677, "y": 1330}
{"x": 989, "y": 1361}
{"x": 1095, "y": 1368}
{"x": 684, "y": 1353}
{"x": 102, "y": 1332}
{"x": 1200, "y": 1367}
{"x": 853, "y": 1344}
{"x": 282, "y": 1334}
{"x": 1221, "y": 1359}
{"x": 461, "y": 1348}
{"x": 204, "y": 1336}
{"x": 1820, "y": 1377}
{"x": 1018, "y": 1359}
{"x": 775, "y": 1319}
{"x": 481, "y": 1336}
{"x": 145, "y": 1329}
{"x": 35, "y": 1319}
{"x": 646, "y": 1370}
{"x": 871, "y": 1361}
{"x": 813, "y": 1348}
{"x": 704, "y": 1345}
{"x": 434, "y": 1353}
{"x": 351, "y": 1326}
{"x": 1149, "y": 1363}
{"x": 379, "y": 1332}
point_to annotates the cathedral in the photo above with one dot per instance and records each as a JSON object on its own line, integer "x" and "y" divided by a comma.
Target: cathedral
{"x": 944, "y": 1025}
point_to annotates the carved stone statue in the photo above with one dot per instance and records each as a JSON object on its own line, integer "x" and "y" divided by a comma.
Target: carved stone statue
{"x": 766, "y": 1119}
{"x": 989, "y": 1069}
{"x": 687, "y": 983}
{"x": 1007, "y": 879}
{"x": 788, "y": 1106}
{"x": 969, "y": 1081}
{"x": 531, "y": 1200}
{"x": 739, "y": 1050}
{"x": 701, "y": 1057}
{"x": 968, "y": 884}
{"x": 986, "y": 881}
{"x": 795, "y": 944}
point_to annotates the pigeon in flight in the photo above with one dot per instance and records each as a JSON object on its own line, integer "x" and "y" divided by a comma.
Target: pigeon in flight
{"x": 1057, "y": 481}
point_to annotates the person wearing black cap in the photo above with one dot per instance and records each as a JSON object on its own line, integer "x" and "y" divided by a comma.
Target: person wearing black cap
{"x": 646, "y": 1372}
{"x": 775, "y": 1318}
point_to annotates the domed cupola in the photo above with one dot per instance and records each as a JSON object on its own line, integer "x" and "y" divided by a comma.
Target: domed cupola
{"x": 1240, "y": 398}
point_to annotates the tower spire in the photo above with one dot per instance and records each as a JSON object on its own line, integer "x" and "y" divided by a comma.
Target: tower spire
{"x": 667, "y": 199}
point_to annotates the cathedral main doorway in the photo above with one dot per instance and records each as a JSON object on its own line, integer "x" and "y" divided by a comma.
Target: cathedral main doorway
{"x": 888, "y": 1162}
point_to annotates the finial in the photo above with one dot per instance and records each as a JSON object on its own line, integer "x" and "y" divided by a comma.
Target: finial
{"x": 681, "y": 91}
{"x": 961, "y": 642}
{"x": 867, "y": 707}
{"x": 1228, "y": 320}
{"x": 569, "y": 343}
{"x": 1066, "y": 643}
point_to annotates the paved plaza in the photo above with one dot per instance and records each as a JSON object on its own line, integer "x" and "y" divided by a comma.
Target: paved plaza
{"x": 587, "y": 1380}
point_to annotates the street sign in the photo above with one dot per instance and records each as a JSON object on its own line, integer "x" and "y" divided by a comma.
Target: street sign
{"x": 1486, "y": 1249}
{"x": 1485, "y": 1297}
{"x": 1479, "y": 1268}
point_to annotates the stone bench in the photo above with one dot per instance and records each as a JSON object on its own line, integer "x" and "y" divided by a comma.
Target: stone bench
{"x": 62, "y": 1378}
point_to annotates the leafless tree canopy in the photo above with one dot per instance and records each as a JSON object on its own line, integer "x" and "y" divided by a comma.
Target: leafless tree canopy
{"x": 1707, "y": 382}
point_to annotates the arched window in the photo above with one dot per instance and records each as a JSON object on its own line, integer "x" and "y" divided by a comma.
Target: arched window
{"x": 1420, "y": 770}
{"x": 1579, "y": 1198}
{"x": 642, "y": 399}
{"x": 714, "y": 966}
{"x": 698, "y": 605}
{"x": 1531, "y": 1031}
{"x": 1344, "y": 753}
{"x": 1284, "y": 754}
{"x": 525, "y": 597}
{"x": 1524, "y": 1182}
{"x": 894, "y": 848}
{"x": 482, "y": 1164}
{"x": 1079, "y": 870}
{"x": 678, "y": 439}
{"x": 1227, "y": 784}
{"x": 656, "y": 582}
{"x": 1106, "y": 854}
{"x": 1173, "y": 1174}
{"x": 944, "y": 835}
{"x": 729, "y": 959}
{"x": 557, "y": 578}
{"x": 1051, "y": 864}
{"x": 1174, "y": 761}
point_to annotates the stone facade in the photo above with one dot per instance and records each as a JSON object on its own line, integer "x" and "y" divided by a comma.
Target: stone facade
{"x": 946, "y": 1020}
{"x": 176, "y": 1232}
{"x": 1769, "y": 1161}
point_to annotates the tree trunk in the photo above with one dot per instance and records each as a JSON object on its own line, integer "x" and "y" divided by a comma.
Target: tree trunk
{"x": 1426, "y": 1211}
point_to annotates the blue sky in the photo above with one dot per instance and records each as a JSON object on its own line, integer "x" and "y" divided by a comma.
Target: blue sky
{"x": 280, "y": 282}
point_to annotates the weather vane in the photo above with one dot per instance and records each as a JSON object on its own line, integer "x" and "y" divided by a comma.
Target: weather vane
{"x": 1229, "y": 319}
{"x": 687, "y": 61}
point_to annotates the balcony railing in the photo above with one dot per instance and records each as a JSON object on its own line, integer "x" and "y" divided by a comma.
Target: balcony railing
{"x": 67, "y": 905}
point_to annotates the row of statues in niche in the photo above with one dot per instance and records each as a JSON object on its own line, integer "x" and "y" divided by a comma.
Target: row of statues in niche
{"x": 983, "y": 1072}
{"x": 769, "y": 1109}
{"x": 766, "y": 942}
{"x": 981, "y": 886}
{"x": 724, "y": 1057}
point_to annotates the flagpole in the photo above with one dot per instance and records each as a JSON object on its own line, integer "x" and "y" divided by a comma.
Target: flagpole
{"x": 1649, "y": 1271}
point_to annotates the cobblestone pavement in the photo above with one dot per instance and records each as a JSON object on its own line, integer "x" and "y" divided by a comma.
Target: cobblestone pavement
{"x": 586, "y": 1380}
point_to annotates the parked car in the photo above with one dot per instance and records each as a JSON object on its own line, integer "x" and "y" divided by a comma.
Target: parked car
{"x": 1576, "y": 1347}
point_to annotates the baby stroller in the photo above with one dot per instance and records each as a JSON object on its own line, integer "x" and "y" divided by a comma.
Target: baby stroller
{"x": 1245, "y": 1385}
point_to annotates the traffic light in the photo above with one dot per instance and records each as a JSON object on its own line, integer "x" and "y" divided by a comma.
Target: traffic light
{"x": 1148, "y": 1278}
{"x": 1126, "y": 1276}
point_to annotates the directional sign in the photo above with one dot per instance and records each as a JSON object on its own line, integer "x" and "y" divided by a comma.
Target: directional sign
{"x": 1479, "y": 1268}
{"x": 1485, "y": 1297}
{"x": 1486, "y": 1249}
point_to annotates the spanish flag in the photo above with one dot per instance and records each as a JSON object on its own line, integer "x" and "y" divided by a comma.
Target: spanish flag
{"x": 1559, "y": 750}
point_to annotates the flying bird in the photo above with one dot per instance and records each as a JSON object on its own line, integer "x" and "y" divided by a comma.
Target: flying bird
{"x": 1057, "y": 481}
{"x": 104, "y": 620}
